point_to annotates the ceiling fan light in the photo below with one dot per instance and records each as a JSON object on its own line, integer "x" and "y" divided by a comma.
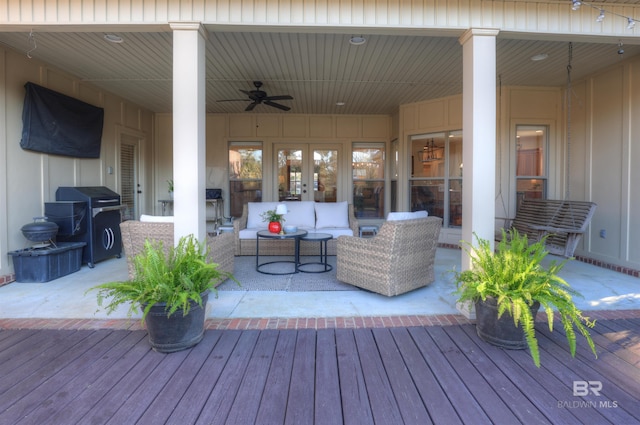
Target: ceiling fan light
{"x": 600, "y": 17}
{"x": 576, "y": 4}
{"x": 357, "y": 40}
{"x": 630, "y": 23}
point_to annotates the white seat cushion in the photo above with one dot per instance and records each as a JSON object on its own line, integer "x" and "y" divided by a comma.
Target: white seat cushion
{"x": 331, "y": 215}
{"x": 300, "y": 214}
{"x": 248, "y": 233}
{"x": 156, "y": 218}
{"x": 397, "y": 216}
{"x": 254, "y": 214}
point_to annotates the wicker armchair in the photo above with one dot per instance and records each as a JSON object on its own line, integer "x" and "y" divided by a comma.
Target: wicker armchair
{"x": 399, "y": 259}
{"x": 134, "y": 234}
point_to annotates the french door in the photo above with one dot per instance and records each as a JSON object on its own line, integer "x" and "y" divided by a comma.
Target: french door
{"x": 129, "y": 176}
{"x": 306, "y": 172}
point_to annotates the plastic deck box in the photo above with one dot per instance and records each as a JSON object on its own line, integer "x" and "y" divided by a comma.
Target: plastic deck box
{"x": 46, "y": 264}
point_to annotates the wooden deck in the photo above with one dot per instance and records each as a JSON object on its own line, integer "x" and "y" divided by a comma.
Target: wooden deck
{"x": 398, "y": 375}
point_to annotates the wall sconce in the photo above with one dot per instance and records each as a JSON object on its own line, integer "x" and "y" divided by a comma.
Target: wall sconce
{"x": 429, "y": 152}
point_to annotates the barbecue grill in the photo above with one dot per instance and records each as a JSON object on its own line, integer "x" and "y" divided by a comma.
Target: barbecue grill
{"x": 103, "y": 236}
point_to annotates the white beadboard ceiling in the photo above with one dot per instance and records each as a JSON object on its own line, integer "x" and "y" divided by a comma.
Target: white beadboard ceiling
{"x": 316, "y": 69}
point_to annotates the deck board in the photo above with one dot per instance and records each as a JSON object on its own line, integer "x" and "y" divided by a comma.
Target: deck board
{"x": 273, "y": 404}
{"x": 414, "y": 375}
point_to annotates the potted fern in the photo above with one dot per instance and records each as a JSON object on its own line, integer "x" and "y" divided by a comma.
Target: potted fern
{"x": 171, "y": 287}
{"x": 509, "y": 285}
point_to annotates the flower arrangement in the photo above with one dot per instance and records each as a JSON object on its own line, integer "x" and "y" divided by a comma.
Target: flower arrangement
{"x": 271, "y": 216}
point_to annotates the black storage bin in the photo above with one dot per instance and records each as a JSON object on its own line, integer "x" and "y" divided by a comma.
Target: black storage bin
{"x": 70, "y": 216}
{"x": 214, "y": 193}
{"x": 45, "y": 264}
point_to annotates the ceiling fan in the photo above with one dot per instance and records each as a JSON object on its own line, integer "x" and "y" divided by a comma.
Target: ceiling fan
{"x": 258, "y": 96}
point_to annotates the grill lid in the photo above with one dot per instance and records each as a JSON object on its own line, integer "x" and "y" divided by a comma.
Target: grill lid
{"x": 97, "y": 196}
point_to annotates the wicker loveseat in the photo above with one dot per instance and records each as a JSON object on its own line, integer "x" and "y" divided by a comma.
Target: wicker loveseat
{"x": 335, "y": 218}
{"x": 134, "y": 234}
{"x": 399, "y": 259}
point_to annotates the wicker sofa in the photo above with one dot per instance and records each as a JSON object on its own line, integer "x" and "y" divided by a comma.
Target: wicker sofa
{"x": 134, "y": 234}
{"x": 335, "y": 218}
{"x": 399, "y": 259}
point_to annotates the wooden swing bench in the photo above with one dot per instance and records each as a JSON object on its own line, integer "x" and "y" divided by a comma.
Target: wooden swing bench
{"x": 564, "y": 222}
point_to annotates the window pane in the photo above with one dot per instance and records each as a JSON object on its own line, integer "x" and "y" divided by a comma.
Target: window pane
{"x": 531, "y": 145}
{"x": 245, "y": 177}
{"x": 368, "y": 164}
{"x": 325, "y": 175}
{"x": 245, "y": 163}
{"x": 427, "y": 154}
{"x": 455, "y": 203}
{"x": 289, "y": 174}
{"x": 428, "y": 195}
{"x": 455, "y": 154}
{"x": 368, "y": 199}
{"x": 368, "y": 181}
{"x": 530, "y": 148}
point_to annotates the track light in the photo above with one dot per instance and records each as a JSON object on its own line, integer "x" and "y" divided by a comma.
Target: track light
{"x": 600, "y": 17}
{"x": 630, "y": 23}
{"x": 576, "y": 4}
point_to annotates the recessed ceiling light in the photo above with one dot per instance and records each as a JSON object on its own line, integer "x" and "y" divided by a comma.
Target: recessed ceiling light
{"x": 357, "y": 40}
{"x": 112, "y": 38}
{"x": 539, "y": 57}
{"x": 339, "y": 103}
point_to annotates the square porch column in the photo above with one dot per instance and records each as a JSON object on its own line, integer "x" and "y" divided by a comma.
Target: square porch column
{"x": 189, "y": 142}
{"x": 479, "y": 146}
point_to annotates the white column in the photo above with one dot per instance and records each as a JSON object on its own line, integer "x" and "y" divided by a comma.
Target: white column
{"x": 189, "y": 144}
{"x": 479, "y": 132}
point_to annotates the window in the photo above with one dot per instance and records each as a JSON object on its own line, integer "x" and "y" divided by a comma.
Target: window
{"x": 394, "y": 175}
{"x": 367, "y": 165}
{"x": 436, "y": 175}
{"x": 531, "y": 168}
{"x": 245, "y": 175}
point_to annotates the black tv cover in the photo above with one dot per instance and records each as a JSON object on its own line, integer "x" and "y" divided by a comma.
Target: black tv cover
{"x": 61, "y": 125}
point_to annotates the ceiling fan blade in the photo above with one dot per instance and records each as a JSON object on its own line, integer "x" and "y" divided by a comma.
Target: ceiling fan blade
{"x": 251, "y": 106}
{"x": 276, "y": 105}
{"x": 280, "y": 97}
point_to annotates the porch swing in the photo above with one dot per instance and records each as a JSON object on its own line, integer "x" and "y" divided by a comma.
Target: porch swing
{"x": 563, "y": 222}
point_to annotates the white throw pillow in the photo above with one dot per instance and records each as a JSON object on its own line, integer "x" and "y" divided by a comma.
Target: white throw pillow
{"x": 398, "y": 216}
{"x": 254, "y": 214}
{"x": 332, "y": 215}
{"x": 300, "y": 214}
{"x": 156, "y": 218}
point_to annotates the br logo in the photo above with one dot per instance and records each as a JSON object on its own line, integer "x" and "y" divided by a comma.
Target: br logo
{"x": 582, "y": 388}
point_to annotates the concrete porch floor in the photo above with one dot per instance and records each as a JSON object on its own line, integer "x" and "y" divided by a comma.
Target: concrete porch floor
{"x": 66, "y": 297}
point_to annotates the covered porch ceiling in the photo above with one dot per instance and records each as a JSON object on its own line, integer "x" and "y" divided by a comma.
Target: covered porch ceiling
{"x": 316, "y": 69}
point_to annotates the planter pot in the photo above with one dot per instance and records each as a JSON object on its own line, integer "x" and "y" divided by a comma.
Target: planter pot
{"x": 500, "y": 331}
{"x": 178, "y": 332}
{"x": 275, "y": 226}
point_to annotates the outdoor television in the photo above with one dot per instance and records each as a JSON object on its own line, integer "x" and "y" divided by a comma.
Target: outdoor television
{"x": 57, "y": 124}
